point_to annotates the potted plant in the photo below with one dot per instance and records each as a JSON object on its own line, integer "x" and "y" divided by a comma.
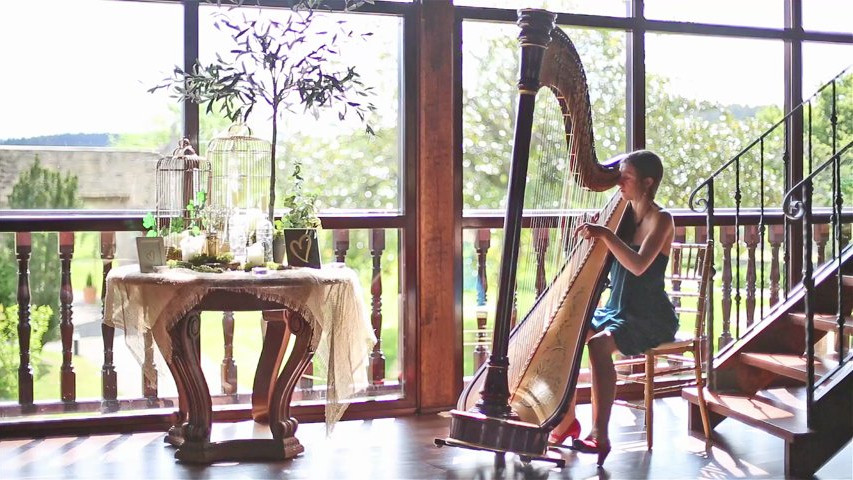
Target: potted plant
{"x": 282, "y": 63}
{"x": 89, "y": 291}
{"x": 296, "y": 232}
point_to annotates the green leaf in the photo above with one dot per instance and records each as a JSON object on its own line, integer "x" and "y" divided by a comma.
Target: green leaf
{"x": 148, "y": 221}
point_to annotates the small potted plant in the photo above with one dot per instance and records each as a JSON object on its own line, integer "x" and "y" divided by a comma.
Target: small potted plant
{"x": 89, "y": 291}
{"x": 296, "y": 232}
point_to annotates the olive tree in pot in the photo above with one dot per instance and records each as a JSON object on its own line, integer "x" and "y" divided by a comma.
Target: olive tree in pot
{"x": 284, "y": 64}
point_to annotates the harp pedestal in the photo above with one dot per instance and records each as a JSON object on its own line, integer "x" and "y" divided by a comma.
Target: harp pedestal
{"x": 476, "y": 431}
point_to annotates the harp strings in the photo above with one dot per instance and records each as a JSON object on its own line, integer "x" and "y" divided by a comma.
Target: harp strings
{"x": 555, "y": 204}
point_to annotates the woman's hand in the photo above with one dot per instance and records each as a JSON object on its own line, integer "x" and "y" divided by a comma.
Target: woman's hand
{"x": 592, "y": 230}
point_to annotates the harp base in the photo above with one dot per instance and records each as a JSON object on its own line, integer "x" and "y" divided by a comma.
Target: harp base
{"x": 476, "y": 431}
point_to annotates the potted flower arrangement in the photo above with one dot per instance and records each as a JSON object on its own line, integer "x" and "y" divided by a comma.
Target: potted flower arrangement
{"x": 296, "y": 232}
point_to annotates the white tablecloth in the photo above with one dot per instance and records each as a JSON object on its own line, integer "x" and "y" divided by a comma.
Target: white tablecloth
{"x": 329, "y": 298}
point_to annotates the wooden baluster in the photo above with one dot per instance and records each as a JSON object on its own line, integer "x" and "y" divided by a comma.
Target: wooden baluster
{"x": 68, "y": 380}
{"x": 376, "y": 366}
{"x": 481, "y": 246}
{"x": 750, "y": 234}
{"x": 149, "y": 371}
{"x": 727, "y": 239}
{"x": 228, "y": 369}
{"x": 700, "y": 235}
{"x": 109, "y": 379}
{"x": 540, "y": 246}
{"x": 680, "y": 236}
{"x": 820, "y": 234}
{"x": 846, "y": 233}
{"x": 340, "y": 238}
{"x": 776, "y": 237}
{"x": 23, "y": 248}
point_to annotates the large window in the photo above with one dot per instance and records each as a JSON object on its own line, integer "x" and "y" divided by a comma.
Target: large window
{"x": 344, "y": 166}
{"x": 753, "y": 13}
{"x": 613, "y": 8}
{"x": 703, "y": 108}
{"x": 490, "y": 75}
{"x": 828, "y": 15}
{"x": 80, "y": 103}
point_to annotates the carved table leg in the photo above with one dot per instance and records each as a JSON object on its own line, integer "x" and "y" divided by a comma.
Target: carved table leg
{"x": 273, "y": 403}
{"x": 175, "y": 436}
{"x": 283, "y": 427}
{"x": 269, "y": 362}
{"x": 192, "y": 388}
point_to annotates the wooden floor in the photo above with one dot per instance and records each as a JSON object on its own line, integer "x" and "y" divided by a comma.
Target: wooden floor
{"x": 401, "y": 448}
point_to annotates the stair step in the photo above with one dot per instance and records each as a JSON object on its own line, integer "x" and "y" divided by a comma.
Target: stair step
{"x": 847, "y": 280}
{"x": 823, "y": 321}
{"x": 786, "y": 398}
{"x": 788, "y": 365}
{"x": 754, "y": 411}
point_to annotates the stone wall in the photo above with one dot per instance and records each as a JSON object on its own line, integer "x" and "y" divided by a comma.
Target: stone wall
{"x": 107, "y": 178}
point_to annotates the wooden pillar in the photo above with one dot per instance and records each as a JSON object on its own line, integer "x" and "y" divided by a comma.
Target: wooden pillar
{"x": 109, "y": 379}
{"x": 680, "y": 236}
{"x": 228, "y": 369}
{"x": 23, "y": 248}
{"x": 67, "y": 379}
{"x": 149, "y": 371}
{"x": 776, "y": 237}
{"x": 340, "y": 239}
{"x": 376, "y": 364}
{"x": 727, "y": 240}
{"x": 821, "y": 238}
{"x": 439, "y": 206}
{"x": 751, "y": 239}
{"x": 481, "y": 246}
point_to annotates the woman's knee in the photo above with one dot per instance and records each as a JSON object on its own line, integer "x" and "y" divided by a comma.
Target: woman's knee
{"x": 602, "y": 343}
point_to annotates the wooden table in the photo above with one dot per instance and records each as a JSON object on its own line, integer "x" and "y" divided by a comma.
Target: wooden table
{"x": 171, "y": 303}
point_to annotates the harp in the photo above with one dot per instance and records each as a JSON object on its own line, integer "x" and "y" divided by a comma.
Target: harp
{"x": 520, "y": 394}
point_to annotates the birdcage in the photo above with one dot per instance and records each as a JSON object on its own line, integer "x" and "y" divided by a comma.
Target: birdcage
{"x": 181, "y": 185}
{"x": 240, "y": 165}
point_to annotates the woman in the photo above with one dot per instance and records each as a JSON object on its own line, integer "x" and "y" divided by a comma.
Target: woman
{"x": 639, "y": 314}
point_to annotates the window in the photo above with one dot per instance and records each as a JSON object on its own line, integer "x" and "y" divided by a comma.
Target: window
{"x": 80, "y": 105}
{"x": 702, "y": 109}
{"x": 753, "y": 13}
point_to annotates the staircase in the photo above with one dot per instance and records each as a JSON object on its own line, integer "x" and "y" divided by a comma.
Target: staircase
{"x": 774, "y": 377}
{"x": 762, "y": 380}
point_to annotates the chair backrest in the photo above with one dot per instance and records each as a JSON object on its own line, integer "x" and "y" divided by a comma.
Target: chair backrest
{"x": 687, "y": 281}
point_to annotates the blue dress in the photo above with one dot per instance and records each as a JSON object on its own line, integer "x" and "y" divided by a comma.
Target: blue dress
{"x": 639, "y": 313}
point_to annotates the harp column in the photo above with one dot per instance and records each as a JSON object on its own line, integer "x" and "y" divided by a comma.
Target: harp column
{"x": 536, "y": 27}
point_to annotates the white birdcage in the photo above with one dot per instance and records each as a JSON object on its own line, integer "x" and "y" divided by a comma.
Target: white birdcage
{"x": 181, "y": 184}
{"x": 240, "y": 165}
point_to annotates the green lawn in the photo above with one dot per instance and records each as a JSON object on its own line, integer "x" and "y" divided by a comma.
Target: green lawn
{"x": 88, "y": 375}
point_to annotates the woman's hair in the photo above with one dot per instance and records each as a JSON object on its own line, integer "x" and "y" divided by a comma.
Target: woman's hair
{"x": 648, "y": 165}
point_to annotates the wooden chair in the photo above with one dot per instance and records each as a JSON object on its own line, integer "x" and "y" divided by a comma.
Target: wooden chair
{"x": 687, "y": 282}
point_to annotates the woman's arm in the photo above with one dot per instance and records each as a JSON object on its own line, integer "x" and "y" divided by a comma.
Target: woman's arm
{"x": 635, "y": 262}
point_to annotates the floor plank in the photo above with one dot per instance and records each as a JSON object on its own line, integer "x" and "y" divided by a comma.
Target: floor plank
{"x": 401, "y": 448}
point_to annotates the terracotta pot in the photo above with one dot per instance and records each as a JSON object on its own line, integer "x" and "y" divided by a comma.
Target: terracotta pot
{"x": 89, "y": 294}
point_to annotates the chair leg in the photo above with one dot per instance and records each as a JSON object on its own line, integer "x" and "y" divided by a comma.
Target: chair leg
{"x": 700, "y": 390}
{"x": 649, "y": 397}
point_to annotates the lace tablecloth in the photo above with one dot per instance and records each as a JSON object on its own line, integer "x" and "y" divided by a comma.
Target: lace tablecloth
{"x": 329, "y": 298}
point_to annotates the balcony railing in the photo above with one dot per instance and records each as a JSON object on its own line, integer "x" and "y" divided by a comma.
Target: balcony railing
{"x": 370, "y": 246}
{"x": 748, "y": 282}
{"x": 746, "y": 287}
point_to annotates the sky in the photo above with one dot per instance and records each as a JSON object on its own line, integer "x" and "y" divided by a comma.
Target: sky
{"x": 85, "y": 75}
